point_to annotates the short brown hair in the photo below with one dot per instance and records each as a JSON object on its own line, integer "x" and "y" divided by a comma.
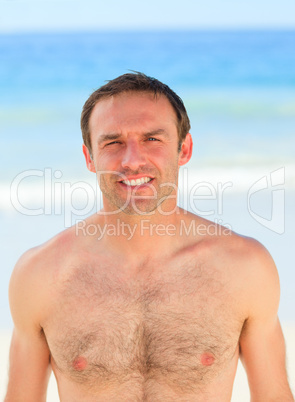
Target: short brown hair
{"x": 135, "y": 82}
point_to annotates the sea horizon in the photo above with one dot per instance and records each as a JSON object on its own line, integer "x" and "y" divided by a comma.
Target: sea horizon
{"x": 238, "y": 87}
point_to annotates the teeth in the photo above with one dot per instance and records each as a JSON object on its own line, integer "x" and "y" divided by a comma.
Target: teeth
{"x": 137, "y": 182}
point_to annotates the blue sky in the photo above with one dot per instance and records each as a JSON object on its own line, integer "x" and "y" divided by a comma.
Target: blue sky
{"x": 69, "y": 15}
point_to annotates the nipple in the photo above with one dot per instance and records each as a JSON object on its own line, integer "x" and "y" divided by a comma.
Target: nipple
{"x": 80, "y": 363}
{"x": 207, "y": 359}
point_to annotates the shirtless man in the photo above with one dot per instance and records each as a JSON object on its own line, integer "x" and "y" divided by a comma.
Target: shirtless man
{"x": 162, "y": 315}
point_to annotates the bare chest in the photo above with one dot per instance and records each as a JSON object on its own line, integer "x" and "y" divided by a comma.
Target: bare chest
{"x": 181, "y": 328}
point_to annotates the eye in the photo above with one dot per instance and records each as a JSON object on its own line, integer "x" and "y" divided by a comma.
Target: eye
{"x": 111, "y": 143}
{"x": 152, "y": 139}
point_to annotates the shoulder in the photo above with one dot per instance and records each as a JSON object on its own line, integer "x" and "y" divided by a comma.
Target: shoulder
{"x": 49, "y": 262}
{"x": 35, "y": 276}
{"x": 246, "y": 258}
{"x": 223, "y": 241}
{"x": 253, "y": 272}
{"x": 245, "y": 264}
{"x": 41, "y": 259}
{"x": 250, "y": 257}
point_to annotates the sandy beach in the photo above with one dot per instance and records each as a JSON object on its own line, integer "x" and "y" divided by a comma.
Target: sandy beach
{"x": 240, "y": 391}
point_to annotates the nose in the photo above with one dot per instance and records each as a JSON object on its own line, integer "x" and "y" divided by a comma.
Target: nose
{"x": 133, "y": 157}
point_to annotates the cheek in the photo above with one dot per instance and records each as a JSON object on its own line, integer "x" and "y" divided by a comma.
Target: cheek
{"x": 161, "y": 156}
{"x": 107, "y": 169}
{"x": 105, "y": 161}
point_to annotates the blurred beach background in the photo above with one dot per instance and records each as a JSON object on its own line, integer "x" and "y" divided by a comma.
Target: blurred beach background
{"x": 238, "y": 85}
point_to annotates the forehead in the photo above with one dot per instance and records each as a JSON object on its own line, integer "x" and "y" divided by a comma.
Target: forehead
{"x": 132, "y": 110}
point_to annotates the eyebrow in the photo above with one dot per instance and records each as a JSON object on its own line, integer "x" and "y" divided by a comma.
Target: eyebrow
{"x": 160, "y": 131}
{"x": 108, "y": 137}
{"x": 115, "y": 136}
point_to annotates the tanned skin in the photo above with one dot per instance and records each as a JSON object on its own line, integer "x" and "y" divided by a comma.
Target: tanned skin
{"x": 162, "y": 315}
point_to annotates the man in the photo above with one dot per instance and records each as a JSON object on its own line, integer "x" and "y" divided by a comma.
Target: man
{"x": 148, "y": 311}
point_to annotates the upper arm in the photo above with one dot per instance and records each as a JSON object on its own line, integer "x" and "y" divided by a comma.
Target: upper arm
{"x": 29, "y": 354}
{"x": 262, "y": 343}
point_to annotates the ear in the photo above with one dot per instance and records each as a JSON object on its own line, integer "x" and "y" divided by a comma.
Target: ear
{"x": 186, "y": 150}
{"x": 88, "y": 159}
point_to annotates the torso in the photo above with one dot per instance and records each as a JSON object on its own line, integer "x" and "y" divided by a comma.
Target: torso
{"x": 170, "y": 331}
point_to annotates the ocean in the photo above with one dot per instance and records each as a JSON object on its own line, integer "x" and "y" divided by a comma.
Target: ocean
{"x": 239, "y": 90}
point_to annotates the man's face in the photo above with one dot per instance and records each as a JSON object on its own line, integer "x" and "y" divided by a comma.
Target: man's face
{"x": 135, "y": 151}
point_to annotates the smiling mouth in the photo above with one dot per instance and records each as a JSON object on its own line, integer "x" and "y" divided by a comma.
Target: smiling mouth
{"x": 137, "y": 182}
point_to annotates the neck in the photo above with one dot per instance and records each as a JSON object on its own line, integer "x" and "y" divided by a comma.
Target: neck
{"x": 140, "y": 236}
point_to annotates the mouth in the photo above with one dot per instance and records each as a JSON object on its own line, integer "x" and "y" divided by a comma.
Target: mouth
{"x": 137, "y": 182}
